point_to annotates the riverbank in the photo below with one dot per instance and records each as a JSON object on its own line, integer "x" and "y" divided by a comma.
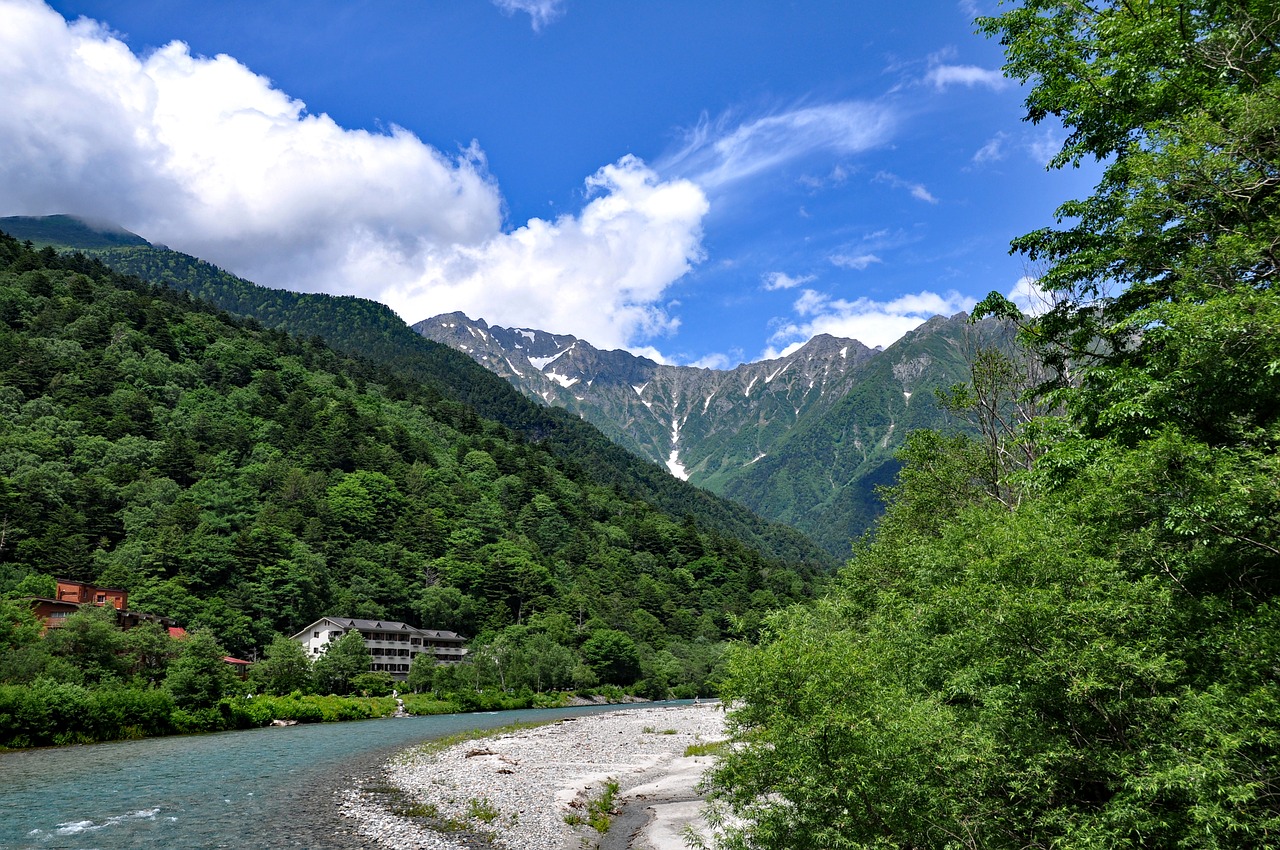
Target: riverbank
{"x": 533, "y": 788}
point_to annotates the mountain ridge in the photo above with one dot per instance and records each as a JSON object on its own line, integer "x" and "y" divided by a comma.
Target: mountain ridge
{"x": 372, "y": 330}
{"x": 804, "y": 439}
{"x": 699, "y": 422}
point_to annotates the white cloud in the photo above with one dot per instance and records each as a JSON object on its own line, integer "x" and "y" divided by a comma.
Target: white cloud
{"x": 541, "y": 12}
{"x": 944, "y": 76}
{"x": 207, "y": 157}
{"x": 1027, "y": 295}
{"x": 870, "y": 322}
{"x": 1045, "y": 146}
{"x": 781, "y": 280}
{"x": 720, "y": 152}
{"x": 599, "y": 274}
{"x": 715, "y": 361}
{"x": 917, "y": 190}
{"x": 992, "y": 151}
{"x": 838, "y": 176}
{"x": 854, "y": 261}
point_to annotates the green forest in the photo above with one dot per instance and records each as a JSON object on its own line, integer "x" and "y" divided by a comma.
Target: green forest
{"x": 244, "y": 482}
{"x": 1065, "y": 632}
{"x": 368, "y": 329}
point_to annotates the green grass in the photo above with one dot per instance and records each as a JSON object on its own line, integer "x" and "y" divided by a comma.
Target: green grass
{"x": 707, "y": 748}
{"x": 599, "y": 810}
{"x": 482, "y": 810}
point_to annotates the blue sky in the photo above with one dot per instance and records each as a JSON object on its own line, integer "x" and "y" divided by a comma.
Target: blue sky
{"x": 703, "y": 182}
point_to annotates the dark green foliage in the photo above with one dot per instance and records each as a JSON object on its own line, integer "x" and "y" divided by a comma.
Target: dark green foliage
{"x": 88, "y": 649}
{"x": 199, "y": 676}
{"x": 246, "y": 482}
{"x": 1064, "y": 634}
{"x": 49, "y": 713}
{"x": 343, "y": 662}
{"x": 612, "y": 656}
{"x": 283, "y": 669}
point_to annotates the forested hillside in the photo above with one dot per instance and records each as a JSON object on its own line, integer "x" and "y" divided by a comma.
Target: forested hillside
{"x": 245, "y": 481}
{"x": 1064, "y": 633}
{"x": 371, "y": 330}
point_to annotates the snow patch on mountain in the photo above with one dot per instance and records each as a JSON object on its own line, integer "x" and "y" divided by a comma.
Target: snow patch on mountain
{"x": 673, "y": 462}
{"x": 541, "y": 363}
{"x": 563, "y": 380}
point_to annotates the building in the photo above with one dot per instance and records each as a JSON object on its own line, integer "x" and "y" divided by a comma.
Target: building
{"x": 87, "y": 594}
{"x": 392, "y": 646}
{"x": 70, "y": 595}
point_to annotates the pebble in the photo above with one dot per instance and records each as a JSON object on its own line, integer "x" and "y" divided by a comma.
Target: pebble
{"x": 515, "y": 790}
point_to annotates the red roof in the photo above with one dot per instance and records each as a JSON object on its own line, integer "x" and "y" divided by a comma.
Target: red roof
{"x": 230, "y": 660}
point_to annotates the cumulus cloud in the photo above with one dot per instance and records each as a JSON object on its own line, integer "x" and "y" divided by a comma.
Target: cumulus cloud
{"x": 540, "y": 12}
{"x": 781, "y": 280}
{"x": 866, "y": 320}
{"x": 210, "y": 158}
{"x": 600, "y": 273}
{"x": 716, "y": 153}
{"x": 716, "y": 361}
{"x": 1027, "y": 295}
{"x": 1045, "y": 146}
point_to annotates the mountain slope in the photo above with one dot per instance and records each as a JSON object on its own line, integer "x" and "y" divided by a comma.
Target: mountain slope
{"x": 804, "y": 439}
{"x": 704, "y": 424}
{"x": 247, "y": 481}
{"x": 369, "y": 329}
{"x": 821, "y": 477}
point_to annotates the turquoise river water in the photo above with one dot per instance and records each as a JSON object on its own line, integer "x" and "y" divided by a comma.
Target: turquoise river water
{"x": 261, "y": 788}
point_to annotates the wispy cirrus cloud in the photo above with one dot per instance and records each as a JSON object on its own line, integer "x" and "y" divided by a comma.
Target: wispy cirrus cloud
{"x": 917, "y": 190}
{"x": 943, "y": 73}
{"x": 781, "y": 280}
{"x": 716, "y": 153}
{"x": 992, "y": 151}
{"x": 857, "y": 262}
{"x": 540, "y": 12}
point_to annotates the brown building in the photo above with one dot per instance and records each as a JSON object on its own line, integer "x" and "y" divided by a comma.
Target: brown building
{"x": 72, "y": 594}
{"x": 88, "y": 594}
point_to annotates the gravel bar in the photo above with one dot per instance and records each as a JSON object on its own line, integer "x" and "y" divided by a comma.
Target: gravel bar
{"x": 516, "y": 789}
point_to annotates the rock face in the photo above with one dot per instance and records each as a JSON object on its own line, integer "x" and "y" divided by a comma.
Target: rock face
{"x": 804, "y": 439}
{"x": 702, "y": 424}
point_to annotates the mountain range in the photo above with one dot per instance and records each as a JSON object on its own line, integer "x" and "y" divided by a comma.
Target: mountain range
{"x": 371, "y": 330}
{"x": 805, "y": 438}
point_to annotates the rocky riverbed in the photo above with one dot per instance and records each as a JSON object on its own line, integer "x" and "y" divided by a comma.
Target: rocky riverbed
{"x": 533, "y": 788}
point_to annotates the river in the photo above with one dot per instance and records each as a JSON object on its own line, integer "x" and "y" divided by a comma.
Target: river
{"x": 260, "y": 788}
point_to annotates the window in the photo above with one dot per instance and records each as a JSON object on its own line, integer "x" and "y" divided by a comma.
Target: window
{"x": 315, "y": 634}
{"x": 102, "y": 597}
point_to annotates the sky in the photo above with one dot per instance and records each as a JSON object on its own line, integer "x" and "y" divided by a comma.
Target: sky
{"x": 703, "y": 183}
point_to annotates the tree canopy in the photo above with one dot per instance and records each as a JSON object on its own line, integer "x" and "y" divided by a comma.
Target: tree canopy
{"x": 1076, "y": 649}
